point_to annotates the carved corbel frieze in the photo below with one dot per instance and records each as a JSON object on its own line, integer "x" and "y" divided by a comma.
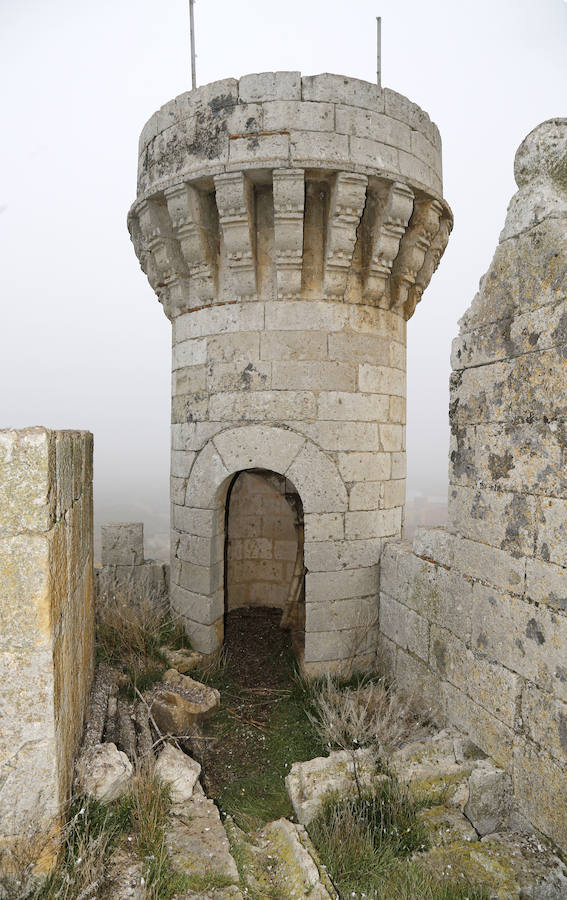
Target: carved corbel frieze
{"x": 234, "y": 197}
{"x": 348, "y": 196}
{"x": 390, "y": 229}
{"x": 423, "y": 227}
{"x": 289, "y": 208}
{"x": 430, "y": 263}
{"x": 192, "y": 226}
{"x": 164, "y": 258}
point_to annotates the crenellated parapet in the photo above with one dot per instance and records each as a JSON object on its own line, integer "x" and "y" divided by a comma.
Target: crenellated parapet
{"x": 283, "y": 187}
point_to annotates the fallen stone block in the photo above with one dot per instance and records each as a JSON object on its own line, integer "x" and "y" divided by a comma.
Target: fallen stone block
{"x": 490, "y": 798}
{"x": 182, "y": 660}
{"x": 539, "y": 872}
{"x": 182, "y": 703}
{"x": 103, "y": 772}
{"x": 179, "y": 771}
{"x": 308, "y": 783}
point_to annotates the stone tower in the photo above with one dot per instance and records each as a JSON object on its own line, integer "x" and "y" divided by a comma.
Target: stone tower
{"x": 289, "y": 227}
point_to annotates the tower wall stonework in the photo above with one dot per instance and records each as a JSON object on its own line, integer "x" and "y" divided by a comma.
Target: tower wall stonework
{"x": 47, "y": 634}
{"x": 476, "y": 613}
{"x": 289, "y": 226}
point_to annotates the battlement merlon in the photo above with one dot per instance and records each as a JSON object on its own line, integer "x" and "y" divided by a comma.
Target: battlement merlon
{"x": 282, "y": 187}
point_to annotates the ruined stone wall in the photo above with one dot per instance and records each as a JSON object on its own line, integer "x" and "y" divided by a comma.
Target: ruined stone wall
{"x": 474, "y": 616}
{"x": 262, "y": 542}
{"x": 47, "y": 616}
{"x": 126, "y": 577}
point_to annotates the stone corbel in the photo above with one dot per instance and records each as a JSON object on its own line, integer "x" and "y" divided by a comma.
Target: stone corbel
{"x": 348, "y": 196}
{"x": 235, "y": 203}
{"x": 193, "y": 229}
{"x": 289, "y": 208}
{"x": 430, "y": 263}
{"x": 422, "y": 229}
{"x": 164, "y": 258}
{"x": 390, "y": 229}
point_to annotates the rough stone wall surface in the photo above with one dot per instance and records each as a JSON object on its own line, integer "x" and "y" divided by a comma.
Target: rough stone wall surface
{"x": 475, "y": 615}
{"x": 47, "y": 615}
{"x": 289, "y": 226}
{"x": 262, "y": 542}
{"x": 125, "y": 576}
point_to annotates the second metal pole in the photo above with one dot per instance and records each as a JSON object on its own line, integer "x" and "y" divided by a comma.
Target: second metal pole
{"x": 379, "y": 51}
{"x": 192, "y": 30}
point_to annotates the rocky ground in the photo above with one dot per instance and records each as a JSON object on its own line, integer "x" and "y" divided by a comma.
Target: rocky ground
{"x": 474, "y": 831}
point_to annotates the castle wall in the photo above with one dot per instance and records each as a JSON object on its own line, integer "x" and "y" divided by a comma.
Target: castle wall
{"x": 474, "y": 616}
{"x": 47, "y": 615}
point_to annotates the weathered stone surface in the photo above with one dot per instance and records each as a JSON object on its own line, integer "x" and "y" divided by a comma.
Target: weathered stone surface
{"x": 179, "y": 771}
{"x": 490, "y": 798}
{"x": 309, "y": 782}
{"x": 175, "y": 710}
{"x": 445, "y": 825}
{"x": 123, "y": 544}
{"x": 47, "y": 614}
{"x": 103, "y": 772}
{"x": 197, "y": 843}
{"x": 182, "y": 660}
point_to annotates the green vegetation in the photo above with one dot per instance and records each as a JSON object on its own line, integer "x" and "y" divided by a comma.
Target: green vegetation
{"x": 366, "y": 843}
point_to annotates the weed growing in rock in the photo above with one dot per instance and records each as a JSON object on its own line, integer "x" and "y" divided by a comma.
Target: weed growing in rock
{"x": 366, "y": 843}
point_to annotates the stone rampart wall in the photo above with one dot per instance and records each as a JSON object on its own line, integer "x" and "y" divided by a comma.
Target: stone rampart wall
{"x": 126, "y": 578}
{"x": 474, "y": 616}
{"x": 47, "y": 615}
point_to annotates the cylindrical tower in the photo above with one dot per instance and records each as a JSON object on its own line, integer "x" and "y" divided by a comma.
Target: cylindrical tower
{"x": 289, "y": 227}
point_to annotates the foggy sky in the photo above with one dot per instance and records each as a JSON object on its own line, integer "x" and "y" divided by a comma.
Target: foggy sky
{"x": 83, "y": 340}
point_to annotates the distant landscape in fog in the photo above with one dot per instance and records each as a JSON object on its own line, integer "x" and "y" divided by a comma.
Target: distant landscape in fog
{"x": 83, "y": 341}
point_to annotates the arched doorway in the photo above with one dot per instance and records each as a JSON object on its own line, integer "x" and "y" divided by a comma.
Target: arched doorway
{"x": 264, "y": 549}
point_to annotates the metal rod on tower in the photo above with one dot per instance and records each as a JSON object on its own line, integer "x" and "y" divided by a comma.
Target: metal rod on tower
{"x": 192, "y": 30}
{"x": 379, "y": 51}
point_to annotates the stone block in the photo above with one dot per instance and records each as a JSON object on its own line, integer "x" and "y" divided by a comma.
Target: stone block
{"x": 416, "y": 680}
{"x": 366, "y": 495}
{"x": 324, "y": 526}
{"x": 338, "y": 645}
{"x": 486, "y": 563}
{"x": 293, "y": 345}
{"x": 344, "y": 436}
{"x": 333, "y": 556}
{"x": 203, "y": 551}
{"x": 193, "y": 435}
{"x": 123, "y": 544}
{"x": 318, "y": 147}
{"x": 366, "y": 123}
{"x": 404, "y": 627}
{"x": 104, "y": 773}
{"x": 359, "y": 348}
{"x": 435, "y": 545}
{"x": 540, "y": 786}
{"x": 315, "y": 376}
{"x": 381, "y": 380}
{"x": 547, "y": 584}
{"x": 364, "y": 466}
{"x": 231, "y": 347}
{"x": 306, "y": 315}
{"x": 342, "y": 89}
{"x": 259, "y": 150}
{"x": 181, "y": 465}
{"x": 203, "y": 522}
{"x": 504, "y": 520}
{"x": 262, "y": 406}
{"x": 239, "y": 376}
{"x": 197, "y": 608}
{"x": 315, "y": 476}
{"x": 399, "y": 465}
{"x": 374, "y": 154}
{"x": 215, "y": 320}
{"x": 440, "y": 596}
{"x": 527, "y": 639}
{"x": 259, "y": 446}
{"x": 289, "y": 115}
{"x": 380, "y": 523}
{"x": 179, "y": 771}
{"x": 336, "y": 615}
{"x": 544, "y": 719}
{"x": 490, "y": 685}
{"x": 265, "y": 86}
{"x": 490, "y": 798}
{"x": 208, "y": 477}
{"x": 27, "y": 468}
{"x": 551, "y": 543}
{"x": 191, "y": 380}
{"x": 345, "y": 407}
{"x": 322, "y": 587}
{"x": 486, "y": 731}
{"x": 392, "y": 438}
